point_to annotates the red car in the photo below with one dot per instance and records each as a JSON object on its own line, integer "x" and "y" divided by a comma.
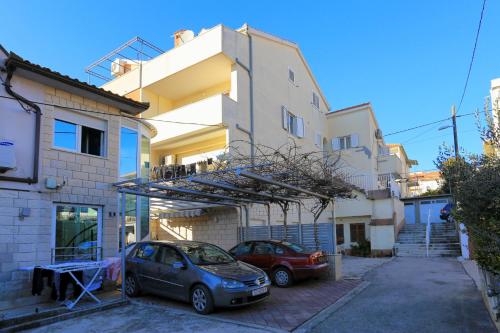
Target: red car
{"x": 285, "y": 262}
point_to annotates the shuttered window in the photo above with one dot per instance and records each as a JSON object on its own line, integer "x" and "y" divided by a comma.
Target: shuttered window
{"x": 315, "y": 100}
{"x": 293, "y": 124}
{"x": 345, "y": 142}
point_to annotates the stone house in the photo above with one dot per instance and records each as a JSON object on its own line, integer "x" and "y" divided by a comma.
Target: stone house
{"x": 63, "y": 144}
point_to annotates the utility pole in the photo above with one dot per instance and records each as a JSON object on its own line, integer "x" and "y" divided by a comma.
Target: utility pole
{"x": 455, "y": 138}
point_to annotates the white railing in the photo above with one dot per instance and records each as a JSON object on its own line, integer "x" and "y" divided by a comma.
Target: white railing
{"x": 375, "y": 182}
{"x": 428, "y": 234}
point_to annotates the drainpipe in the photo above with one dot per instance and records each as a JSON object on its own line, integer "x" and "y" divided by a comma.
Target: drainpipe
{"x": 38, "y": 116}
{"x": 249, "y": 71}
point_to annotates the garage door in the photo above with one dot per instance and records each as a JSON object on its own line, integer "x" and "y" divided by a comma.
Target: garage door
{"x": 432, "y": 207}
{"x": 409, "y": 212}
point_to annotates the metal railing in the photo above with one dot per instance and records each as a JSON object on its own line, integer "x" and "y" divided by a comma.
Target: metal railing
{"x": 428, "y": 234}
{"x": 65, "y": 254}
{"x": 375, "y": 182}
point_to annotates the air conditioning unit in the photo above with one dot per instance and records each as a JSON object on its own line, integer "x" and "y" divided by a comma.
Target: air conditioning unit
{"x": 7, "y": 155}
{"x": 118, "y": 67}
{"x": 378, "y": 134}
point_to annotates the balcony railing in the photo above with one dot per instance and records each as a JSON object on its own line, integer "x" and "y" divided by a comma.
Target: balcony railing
{"x": 369, "y": 183}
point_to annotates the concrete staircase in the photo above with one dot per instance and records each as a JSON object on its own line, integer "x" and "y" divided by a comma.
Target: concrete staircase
{"x": 444, "y": 241}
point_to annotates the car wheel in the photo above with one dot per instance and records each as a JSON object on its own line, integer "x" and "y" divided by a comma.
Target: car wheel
{"x": 201, "y": 299}
{"x": 132, "y": 288}
{"x": 282, "y": 277}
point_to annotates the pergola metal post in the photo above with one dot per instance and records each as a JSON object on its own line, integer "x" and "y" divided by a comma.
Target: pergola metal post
{"x": 123, "y": 234}
{"x": 269, "y": 230}
{"x": 247, "y": 222}
{"x": 300, "y": 222}
{"x": 334, "y": 228}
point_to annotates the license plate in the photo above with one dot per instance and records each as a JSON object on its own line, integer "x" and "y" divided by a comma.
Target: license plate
{"x": 259, "y": 291}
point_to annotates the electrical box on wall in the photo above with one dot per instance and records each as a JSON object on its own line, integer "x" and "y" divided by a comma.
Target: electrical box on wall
{"x": 7, "y": 155}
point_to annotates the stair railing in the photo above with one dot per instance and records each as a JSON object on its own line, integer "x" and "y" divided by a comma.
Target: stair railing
{"x": 428, "y": 233}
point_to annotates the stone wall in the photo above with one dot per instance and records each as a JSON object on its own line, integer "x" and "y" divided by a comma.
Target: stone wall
{"x": 218, "y": 226}
{"x": 87, "y": 180}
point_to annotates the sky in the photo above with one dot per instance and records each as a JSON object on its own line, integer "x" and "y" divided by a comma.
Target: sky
{"x": 408, "y": 58}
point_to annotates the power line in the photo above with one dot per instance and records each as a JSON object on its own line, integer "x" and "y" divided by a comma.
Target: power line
{"x": 427, "y": 124}
{"x": 117, "y": 115}
{"x": 416, "y": 127}
{"x": 473, "y": 55}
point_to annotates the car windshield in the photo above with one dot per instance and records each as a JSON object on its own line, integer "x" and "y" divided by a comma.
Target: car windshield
{"x": 296, "y": 247}
{"x": 206, "y": 254}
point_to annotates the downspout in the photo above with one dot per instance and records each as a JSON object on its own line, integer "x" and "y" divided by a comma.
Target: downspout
{"x": 249, "y": 71}
{"x": 38, "y": 117}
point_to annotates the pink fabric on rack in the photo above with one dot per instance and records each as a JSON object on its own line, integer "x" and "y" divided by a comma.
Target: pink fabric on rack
{"x": 113, "y": 268}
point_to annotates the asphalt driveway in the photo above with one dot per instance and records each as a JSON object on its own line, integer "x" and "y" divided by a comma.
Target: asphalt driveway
{"x": 414, "y": 295}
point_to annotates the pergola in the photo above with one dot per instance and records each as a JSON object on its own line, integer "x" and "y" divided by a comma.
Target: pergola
{"x": 271, "y": 178}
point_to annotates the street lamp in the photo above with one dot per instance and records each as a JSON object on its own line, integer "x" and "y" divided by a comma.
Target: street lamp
{"x": 454, "y": 126}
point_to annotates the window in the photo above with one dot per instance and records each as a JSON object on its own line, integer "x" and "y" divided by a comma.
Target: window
{"x": 145, "y": 156}
{"x": 242, "y": 249}
{"x": 128, "y": 153}
{"x": 339, "y": 228}
{"x": 77, "y": 233}
{"x": 168, "y": 255}
{"x": 92, "y": 141}
{"x": 315, "y": 100}
{"x": 293, "y": 124}
{"x": 205, "y": 254}
{"x": 357, "y": 232}
{"x": 317, "y": 140}
{"x": 146, "y": 252}
{"x": 345, "y": 142}
{"x": 65, "y": 135}
{"x": 291, "y": 75}
{"x": 263, "y": 248}
{"x": 79, "y": 138}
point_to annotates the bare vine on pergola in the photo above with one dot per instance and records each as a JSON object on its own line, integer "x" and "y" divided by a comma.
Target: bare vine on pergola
{"x": 318, "y": 172}
{"x": 284, "y": 175}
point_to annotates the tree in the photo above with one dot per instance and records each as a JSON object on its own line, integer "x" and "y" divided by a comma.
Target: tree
{"x": 474, "y": 181}
{"x": 313, "y": 171}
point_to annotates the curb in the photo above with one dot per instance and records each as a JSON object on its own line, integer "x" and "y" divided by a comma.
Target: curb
{"x": 64, "y": 316}
{"x": 209, "y": 317}
{"x": 328, "y": 311}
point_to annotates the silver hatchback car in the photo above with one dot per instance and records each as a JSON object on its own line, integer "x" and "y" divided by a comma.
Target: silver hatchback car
{"x": 200, "y": 273}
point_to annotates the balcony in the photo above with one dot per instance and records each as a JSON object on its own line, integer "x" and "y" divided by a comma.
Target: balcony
{"x": 375, "y": 186}
{"x": 210, "y": 52}
{"x": 390, "y": 164}
{"x": 209, "y": 111}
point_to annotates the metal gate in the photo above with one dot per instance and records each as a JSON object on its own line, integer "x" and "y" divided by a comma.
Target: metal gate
{"x": 300, "y": 234}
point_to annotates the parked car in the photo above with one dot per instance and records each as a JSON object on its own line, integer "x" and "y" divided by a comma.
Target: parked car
{"x": 445, "y": 212}
{"x": 285, "y": 262}
{"x": 200, "y": 273}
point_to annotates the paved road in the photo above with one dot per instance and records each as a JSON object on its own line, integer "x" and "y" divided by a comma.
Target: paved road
{"x": 414, "y": 295}
{"x": 135, "y": 318}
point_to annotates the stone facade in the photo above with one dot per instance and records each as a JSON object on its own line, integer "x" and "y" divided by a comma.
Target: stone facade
{"x": 85, "y": 179}
{"x": 218, "y": 226}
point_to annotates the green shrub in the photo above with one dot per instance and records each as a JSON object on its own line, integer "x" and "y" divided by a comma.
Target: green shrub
{"x": 362, "y": 249}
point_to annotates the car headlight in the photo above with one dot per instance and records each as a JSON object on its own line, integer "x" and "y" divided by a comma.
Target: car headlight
{"x": 267, "y": 278}
{"x": 232, "y": 284}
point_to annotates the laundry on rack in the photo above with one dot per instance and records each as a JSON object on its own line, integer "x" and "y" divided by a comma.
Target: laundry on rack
{"x": 113, "y": 268}
{"x": 38, "y": 280}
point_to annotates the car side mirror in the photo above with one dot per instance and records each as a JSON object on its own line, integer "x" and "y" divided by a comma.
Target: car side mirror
{"x": 178, "y": 265}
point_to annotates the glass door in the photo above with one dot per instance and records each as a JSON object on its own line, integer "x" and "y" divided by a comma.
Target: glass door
{"x": 76, "y": 233}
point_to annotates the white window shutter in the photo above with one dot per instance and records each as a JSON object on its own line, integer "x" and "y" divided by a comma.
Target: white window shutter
{"x": 300, "y": 127}
{"x": 284, "y": 117}
{"x": 317, "y": 140}
{"x": 336, "y": 143}
{"x": 354, "y": 140}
